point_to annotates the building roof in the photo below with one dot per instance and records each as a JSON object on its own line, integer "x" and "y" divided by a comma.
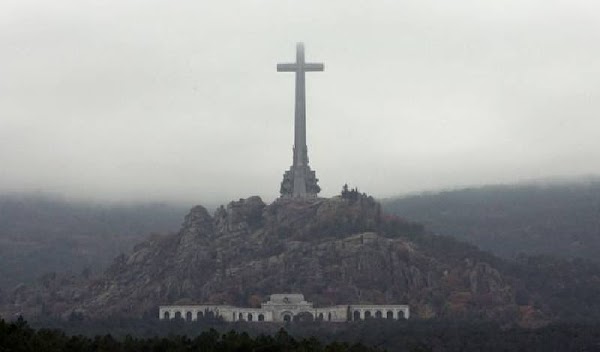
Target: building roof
{"x": 286, "y": 298}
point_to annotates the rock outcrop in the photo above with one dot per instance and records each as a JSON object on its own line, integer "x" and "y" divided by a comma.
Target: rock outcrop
{"x": 334, "y": 251}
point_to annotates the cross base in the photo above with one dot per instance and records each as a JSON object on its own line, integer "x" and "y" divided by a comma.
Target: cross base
{"x": 299, "y": 182}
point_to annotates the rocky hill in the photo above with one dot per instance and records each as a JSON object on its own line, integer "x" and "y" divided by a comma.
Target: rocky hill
{"x": 335, "y": 251}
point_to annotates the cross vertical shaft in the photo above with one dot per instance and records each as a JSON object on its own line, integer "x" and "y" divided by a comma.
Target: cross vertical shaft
{"x": 300, "y": 181}
{"x": 300, "y": 148}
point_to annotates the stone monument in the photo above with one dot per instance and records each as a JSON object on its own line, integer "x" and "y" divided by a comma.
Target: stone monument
{"x": 286, "y": 307}
{"x": 300, "y": 181}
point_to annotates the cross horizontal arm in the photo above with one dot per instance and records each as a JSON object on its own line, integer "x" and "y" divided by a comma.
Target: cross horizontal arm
{"x": 313, "y": 67}
{"x": 294, "y": 67}
{"x": 287, "y": 67}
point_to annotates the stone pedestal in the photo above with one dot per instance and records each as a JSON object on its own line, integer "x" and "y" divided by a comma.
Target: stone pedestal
{"x": 299, "y": 182}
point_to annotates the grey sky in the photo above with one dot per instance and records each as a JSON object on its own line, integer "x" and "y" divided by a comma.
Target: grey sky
{"x": 169, "y": 100}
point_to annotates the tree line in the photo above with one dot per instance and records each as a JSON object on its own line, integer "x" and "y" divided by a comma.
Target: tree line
{"x": 18, "y": 336}
{"x": 414, "y": 335}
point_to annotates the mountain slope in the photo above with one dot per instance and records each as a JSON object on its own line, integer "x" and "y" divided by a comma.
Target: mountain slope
{"x": 41, "y": 234}
{"x": 556, "y": 219}
{"x": 335, "y": 251}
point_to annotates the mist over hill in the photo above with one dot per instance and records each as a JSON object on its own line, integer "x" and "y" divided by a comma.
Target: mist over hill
{"x": 335, "y": 251}
{"x": 561, "y": 219}
{"x": 41, "y": 234}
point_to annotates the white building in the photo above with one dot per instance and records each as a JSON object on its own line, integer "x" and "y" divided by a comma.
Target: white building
{"x": 286, "y": 307}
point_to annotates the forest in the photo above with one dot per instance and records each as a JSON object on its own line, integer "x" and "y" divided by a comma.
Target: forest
{"x": 19, "y": 337}
{"x": 374, "y": 335}
{"x": 554, "y": 218}
{"x": 42, "y": 234}
{"x": 548, "y": 233}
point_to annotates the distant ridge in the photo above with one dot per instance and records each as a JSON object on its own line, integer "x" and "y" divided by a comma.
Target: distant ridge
{"x": 555, "y": 216}
{"x": 41, "y": 233}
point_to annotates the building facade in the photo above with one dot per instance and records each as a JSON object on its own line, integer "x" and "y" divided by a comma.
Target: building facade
{"x": 286, "y": 308}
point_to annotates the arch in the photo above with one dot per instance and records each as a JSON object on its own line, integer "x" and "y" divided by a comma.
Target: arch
{"x": 329, "y": 316}
{"x": 188, "y": 316}
{"x": 249, "y": 316}
{"x": 356, "y": 315}
{"x": 401, "y": 314}
{"x": 177, "y": 315}
{"x": 367, "y": 314}
{"x": 241, "y": 316}
{"x": 166, "y": 315}
{"x": 378, "y": 314}
{"x": 389, "y": 314}
{"x": 320, "y": 316}
{"x": 287, "y": 318}
{"x": 210, "y": 314}
{"x": 199, "y": 315}
{"x": 261, "y": 317}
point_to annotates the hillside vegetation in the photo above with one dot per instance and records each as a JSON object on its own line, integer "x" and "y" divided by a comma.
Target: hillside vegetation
{"x": 552, "y": 219}
{"x": 397, "y": 336}
{"x": 340, "y": 250}
{"x": 40, "y": 234}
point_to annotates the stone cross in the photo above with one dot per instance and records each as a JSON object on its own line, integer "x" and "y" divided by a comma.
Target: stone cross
{"x": 300, "y": 181}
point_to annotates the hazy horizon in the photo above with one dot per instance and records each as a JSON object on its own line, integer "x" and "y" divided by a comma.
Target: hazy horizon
{"x": 212, "y": 204}
{"x": 180, "y": 102}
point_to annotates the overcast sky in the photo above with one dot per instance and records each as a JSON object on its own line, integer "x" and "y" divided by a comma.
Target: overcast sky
{"x": 180, "y": 100}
